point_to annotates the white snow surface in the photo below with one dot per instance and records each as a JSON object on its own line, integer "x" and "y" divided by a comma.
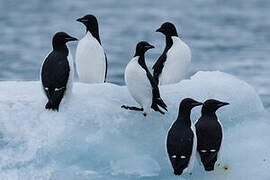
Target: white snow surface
{"x": 92, "y": 138}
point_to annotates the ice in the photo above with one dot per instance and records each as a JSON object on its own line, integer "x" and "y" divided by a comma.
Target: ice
{"x": 92, "y": 138}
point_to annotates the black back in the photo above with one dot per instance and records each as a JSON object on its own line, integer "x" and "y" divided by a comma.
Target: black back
{"x": 169, "y": 30}
{"x": 141, "y": 48}
{"x": 54, "y": 75}
{"x": 55, "y": 71}
{"x": 209, "y": 134}
{"x": 180, "y": 137}
{"x": 179, "y": 144}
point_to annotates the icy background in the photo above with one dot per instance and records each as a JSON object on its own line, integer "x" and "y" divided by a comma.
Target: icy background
{"x": 230, "y": 36}
{"x": 92, "y": 138}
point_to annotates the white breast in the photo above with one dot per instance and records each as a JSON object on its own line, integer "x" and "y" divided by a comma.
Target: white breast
{"x": 71, "y": 75}
{"x": 177, "y": 62}
{"x": 219, "y": 155}
{"x": 138, "y": 84}
{"x": 90, "y": 60}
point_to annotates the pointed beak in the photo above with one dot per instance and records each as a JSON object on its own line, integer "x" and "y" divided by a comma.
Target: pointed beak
{"x": 159, "y": 30}
{"x": 150, "y": 46}
{"x": 71, "y": 39}
{"x": 81, "y": 20}
{"x": 197, "y": 104}
{"x": 223, "y": 104}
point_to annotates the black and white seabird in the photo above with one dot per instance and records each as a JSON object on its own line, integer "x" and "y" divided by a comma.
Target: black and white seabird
{"x": 141, "y": 84}
{"x": 175, "y": 60}
{"x": 181, "y": 139}
{"x": 91, "y": 60}
{"x": 209, "y": 134}
{"x": 57, "y": 71}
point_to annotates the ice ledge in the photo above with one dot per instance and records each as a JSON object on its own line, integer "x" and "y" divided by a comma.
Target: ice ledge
{"x": 91, "y": 137}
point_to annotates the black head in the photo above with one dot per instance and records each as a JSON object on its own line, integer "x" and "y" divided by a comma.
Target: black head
{"x": 185, "y": 108}
{"x": 187, "y": 104}
{"x": 142, "y": 47}
{"x": 168, "y": 29}
{"x": 212, "y": 105}
{"x": 91, "y": 23}
{"x": 60, "y": 39}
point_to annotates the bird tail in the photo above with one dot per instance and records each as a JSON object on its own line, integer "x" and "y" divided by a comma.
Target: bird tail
{"x": 52, "y": 106}
{"x": 158, "y": 102}
{"x": 55, "y": 99}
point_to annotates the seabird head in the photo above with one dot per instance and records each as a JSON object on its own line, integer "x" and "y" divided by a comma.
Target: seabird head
{"x": 212, "y": 105}
{"x": 142, "y": 47}
{"x": 185, "y": 108}
{"x": 187, "y": 104}
{"x": 168, "y": 29}
{"x": 61, "y": 38}
{"x": 91, "y": 23}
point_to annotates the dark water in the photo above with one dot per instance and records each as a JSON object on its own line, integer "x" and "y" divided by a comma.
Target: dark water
{"x": 230, "y": 36}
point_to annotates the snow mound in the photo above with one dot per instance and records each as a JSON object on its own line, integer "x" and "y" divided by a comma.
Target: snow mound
{"x": 92, "y": 138}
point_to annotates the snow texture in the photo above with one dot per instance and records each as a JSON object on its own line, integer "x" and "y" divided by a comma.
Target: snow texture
{"x": 92, "y": 138}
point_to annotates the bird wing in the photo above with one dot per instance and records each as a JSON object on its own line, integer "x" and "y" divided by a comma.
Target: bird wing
{"x": 157, "y": 101}
{"x": 55, "y": 71}
{"x": 158, "y": 66}
{"x": 209, "y": 137}
{"x": 106, "y": 67}
{"x": 180, "y": 145}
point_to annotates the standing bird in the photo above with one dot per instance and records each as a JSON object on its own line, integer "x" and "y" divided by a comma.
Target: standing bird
{"x": 57, "y": 71}
{"x": 91, "y": 60}
{"x": 181, "y": 139}
{"x": 141, "y": 84}
{"x": 174, "y": 62}
{"x": 209, "y": 133}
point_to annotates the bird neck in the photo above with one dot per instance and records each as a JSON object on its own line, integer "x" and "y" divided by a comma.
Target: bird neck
{"x": 94, "y": 32}
{"x": 184, "y": 117}
{"x": 206, "y": 112}
{"x": 169, "y": 43}
{"x": 141, "y": 61}
{"x": 139, "y": 53}
{"x": 60, "y": 47}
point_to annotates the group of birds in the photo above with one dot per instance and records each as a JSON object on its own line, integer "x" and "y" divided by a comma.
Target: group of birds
{"x": 183, "y": 138}
{"x": 91, "y": 63}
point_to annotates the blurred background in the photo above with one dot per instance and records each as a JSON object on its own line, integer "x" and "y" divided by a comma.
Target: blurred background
{"x": 225, "y": 35}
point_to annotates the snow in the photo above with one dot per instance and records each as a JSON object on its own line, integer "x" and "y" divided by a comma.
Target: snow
{"x": 92, "y": 138}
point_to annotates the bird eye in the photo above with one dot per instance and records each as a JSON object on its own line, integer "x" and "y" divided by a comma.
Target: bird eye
{"x": 174, "y": 156}
{"x": 203, "y": 151}
{"x": 212, "y": 150}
